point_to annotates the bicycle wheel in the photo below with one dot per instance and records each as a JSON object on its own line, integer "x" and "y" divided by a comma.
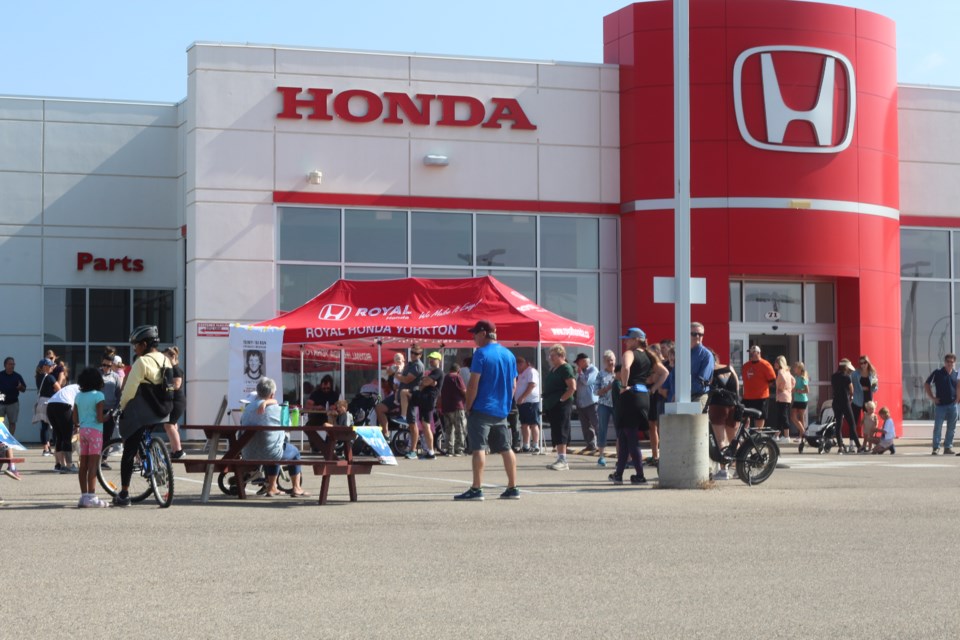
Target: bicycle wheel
{"x": 400, "y": 442}
{"x": 109, "y": 479}
{"x": 284, "y": 483}
{"x": 161, "y": 476}
{"x": 757, "y": 461}
{"x": 227, "y": 486}
{"x": 140, "y": 486}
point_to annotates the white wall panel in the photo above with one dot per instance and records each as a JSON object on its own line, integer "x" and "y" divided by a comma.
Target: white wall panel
{"x": 21, "y": 198}
{"x": 342, "y": 63}
{"x": 22, "y": 144}
{"x": 233, "y": 290}
{"x": 110, "y": 149}
{"x": 928, "y": 98}
{"x": 610, "y": 78}
{"x": 94, "y": 112}
{"x": 159, "y": 257}
{"x": 233, "y": 232}
{"x": 569, "y": 174}
{"x": 21, "y": 109}
{"x": 610, "y": 175}
{"x": 21, "y": 312}
{"x": 610, "y": 120}
{"x": 348, "y": 164}
{"x": 230, "y": 100}
{"x": 205, "y": 398}
{"x": 476, "y": 170}
{"x": 929, "y": 189}
{"x": 234, "y": 160}
{"x": 930, "y": 136}
{"x": 229, "y": 57}
{"x": 567, "y": 117}
{"x": 569, "y": 76}
{"x": 473, "y": 71}
{"x": 115, "y": 201}
{"x": 20, "y": 260}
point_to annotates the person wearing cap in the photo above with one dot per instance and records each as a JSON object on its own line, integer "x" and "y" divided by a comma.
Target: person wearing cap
{"x": 47, "y": 385}
{"x": 943, "y": 387}
{"x": 842, "y": 386}
{"x": 641, "y": 375}
{"x": 427, "y": 402}
{"x": 527, "y": 397}
{"x": 410, "y": 379}
{"x": 586, "y": 399}
{"x": 493, "y": 376}
{"x": 756, "y": 376}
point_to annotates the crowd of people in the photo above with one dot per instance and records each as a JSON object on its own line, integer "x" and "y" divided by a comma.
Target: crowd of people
{"x": 76, "y": 414}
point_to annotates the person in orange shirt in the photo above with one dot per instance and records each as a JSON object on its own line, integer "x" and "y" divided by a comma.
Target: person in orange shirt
{"x": 757, "y": 374}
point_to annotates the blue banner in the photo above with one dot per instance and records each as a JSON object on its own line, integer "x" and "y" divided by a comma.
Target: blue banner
{"x": 7, "y": 438}
{"x": 373, "y": 436}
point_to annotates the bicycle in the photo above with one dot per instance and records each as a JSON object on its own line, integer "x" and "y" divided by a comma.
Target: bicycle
{"x": 151, "y": 465}
{"x": 755, "y": 454}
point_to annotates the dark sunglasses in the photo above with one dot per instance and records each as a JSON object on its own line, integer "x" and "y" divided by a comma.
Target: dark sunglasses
{"x": 696, "y": 335}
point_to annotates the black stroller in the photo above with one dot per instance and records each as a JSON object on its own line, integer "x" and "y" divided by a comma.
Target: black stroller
{"x": 823, "y": 434}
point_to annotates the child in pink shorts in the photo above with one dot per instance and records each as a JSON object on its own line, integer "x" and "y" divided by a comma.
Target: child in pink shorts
{"x": 88, "y": 423}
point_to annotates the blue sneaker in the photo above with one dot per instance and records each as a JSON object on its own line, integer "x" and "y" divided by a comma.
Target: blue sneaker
{"x": 601, "y": 461}
{"x": 471, "y": 494}
{"x": 512, "y": 493}
{"x": 410, "y": 455}
{"x": 401, "y": 420}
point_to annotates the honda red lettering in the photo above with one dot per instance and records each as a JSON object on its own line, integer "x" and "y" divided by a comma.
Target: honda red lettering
{"x": 360, "y": 106}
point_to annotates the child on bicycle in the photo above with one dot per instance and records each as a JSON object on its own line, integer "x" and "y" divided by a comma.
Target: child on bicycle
{"x": 88, "y": 421}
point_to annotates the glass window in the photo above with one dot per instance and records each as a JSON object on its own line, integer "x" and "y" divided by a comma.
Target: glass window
{"x": 506, "y": 241}
{"x": 524, "y": 282}
{"x": 376, "y": 236}
{"x": 64, "y": 315}
{"x": 109, "y": 314}
{"x": 927, "y": 335}
{"x": 442, "y": 238}
{"x": 569, "y": 242}
{"x": 736, "y": 312}
{"x": 820, "y": 302}
{"x": 925, "y": 253}
{"x": 572, "y": 295}
{"x": 374, "y": 273}
{"x": 154, "y": 307}
{"x": 309, "y": 234}
{"x": 773, "y": 302}
{"x": 421, "y": 272}
{"x": 297, "y": 283}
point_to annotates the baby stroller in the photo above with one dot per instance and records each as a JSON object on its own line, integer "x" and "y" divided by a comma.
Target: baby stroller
{"x": 822, "y": 435}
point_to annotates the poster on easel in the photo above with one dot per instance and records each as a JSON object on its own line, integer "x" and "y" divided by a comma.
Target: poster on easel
{"x": 7, "y": 439}
{"x": 255, "y": 353}
{"x": 373, "y": 436}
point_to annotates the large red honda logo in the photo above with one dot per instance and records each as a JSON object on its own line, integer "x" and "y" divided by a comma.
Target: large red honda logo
{"x": 819, "y": 94}
{"x": 334, "y": 312}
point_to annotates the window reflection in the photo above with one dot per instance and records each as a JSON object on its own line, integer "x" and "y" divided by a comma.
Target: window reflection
{"x": 569, "y": 242}
{"x": 309, "y": 234}
{"x": 773, "y": 301}
{"x": 925, "y": 253}
{"x": 927, "y": 335}
{"x": 506, "y": 241}
{"x": 442, "y": 238}
{"x": 297, "y": 283}
{"x": 375, "y": 236}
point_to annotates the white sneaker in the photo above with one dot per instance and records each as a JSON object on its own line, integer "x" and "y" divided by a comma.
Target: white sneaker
{"x": 721, "y": 475}
{"x": 559, "y": 465}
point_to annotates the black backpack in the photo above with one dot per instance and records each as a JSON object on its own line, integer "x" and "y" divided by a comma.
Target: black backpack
{"x": 159, "y": 397}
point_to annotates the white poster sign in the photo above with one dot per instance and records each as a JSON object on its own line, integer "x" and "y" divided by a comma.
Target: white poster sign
{"x": 255, "y": 353}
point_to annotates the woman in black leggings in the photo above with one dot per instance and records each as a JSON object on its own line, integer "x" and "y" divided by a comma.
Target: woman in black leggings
{"x": 842, "y": 406}
{"x": 641, "y": 375}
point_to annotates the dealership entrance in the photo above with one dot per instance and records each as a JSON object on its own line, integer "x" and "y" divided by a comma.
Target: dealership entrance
{"x": 796, "y": 320}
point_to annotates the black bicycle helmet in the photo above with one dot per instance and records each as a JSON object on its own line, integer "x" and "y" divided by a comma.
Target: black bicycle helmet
{"x": 145, "y": 333}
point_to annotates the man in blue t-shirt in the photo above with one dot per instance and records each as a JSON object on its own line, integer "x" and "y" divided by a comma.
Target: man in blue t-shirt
{"x": 493, "y": 377}
{"x": 944, "y": 395}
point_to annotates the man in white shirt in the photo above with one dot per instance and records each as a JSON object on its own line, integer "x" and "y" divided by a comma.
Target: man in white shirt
{"x": 527, "y": 395}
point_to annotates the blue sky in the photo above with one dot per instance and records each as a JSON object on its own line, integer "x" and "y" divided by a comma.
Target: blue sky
{"x": 134, "y": 50}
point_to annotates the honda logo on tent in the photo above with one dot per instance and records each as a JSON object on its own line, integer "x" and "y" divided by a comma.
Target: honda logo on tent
{"x": 334, "y": 312}
{"x": 831, "y": 123}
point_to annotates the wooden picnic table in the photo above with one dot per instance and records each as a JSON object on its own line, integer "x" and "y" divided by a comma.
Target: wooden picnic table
{"x": 239, "y": 436}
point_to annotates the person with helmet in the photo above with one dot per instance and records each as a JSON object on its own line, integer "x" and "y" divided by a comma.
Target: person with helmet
{"x": 137, "y": 413}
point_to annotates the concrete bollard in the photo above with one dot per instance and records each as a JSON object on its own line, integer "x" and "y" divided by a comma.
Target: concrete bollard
{"x": 684, "y": 451}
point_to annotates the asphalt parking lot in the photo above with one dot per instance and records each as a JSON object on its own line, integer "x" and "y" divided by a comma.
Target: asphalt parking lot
{"x": 831, "y": 547}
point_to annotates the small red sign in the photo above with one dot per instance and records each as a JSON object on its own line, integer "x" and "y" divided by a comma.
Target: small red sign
{"x": 213, "y": 329}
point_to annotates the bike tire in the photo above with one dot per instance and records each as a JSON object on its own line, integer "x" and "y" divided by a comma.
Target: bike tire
{"x": 400, "y": 442}
{"x": 109, "y": 479}
{"x": 140, "y": 486}
{"x": 223, "y": 481}
{"x": 757, "y": 461}
{"x": 161, "y": 476}
{"x": 284, "y": 483}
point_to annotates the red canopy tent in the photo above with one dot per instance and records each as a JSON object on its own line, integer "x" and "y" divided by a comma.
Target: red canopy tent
{"x": 354, "y": 313}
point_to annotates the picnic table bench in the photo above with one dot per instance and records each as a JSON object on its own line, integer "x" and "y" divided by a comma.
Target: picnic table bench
{"x": 239, "y": 436}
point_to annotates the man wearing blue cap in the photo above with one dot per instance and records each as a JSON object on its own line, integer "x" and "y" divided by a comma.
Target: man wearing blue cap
{"x": 493, "y": 375}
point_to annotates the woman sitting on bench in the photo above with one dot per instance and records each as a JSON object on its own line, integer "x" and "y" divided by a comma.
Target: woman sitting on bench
{"x": 270, "y": 445}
